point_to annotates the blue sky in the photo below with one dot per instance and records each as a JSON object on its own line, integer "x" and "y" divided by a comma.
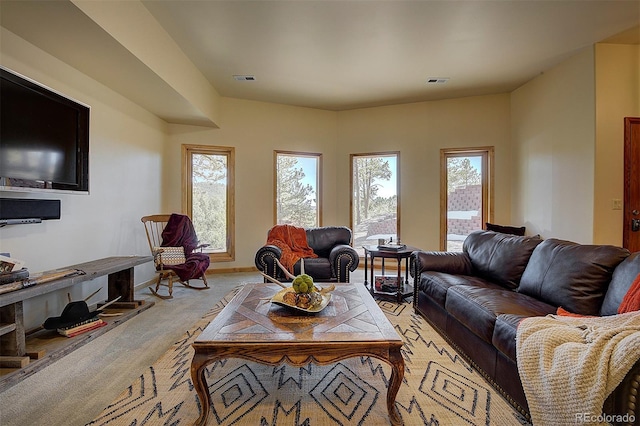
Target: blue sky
{"x": 308, "y": 165}
{"x": 388, "y": 187}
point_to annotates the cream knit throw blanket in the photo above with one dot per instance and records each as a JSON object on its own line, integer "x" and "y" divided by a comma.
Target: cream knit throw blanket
{"x": 568, "y": 366}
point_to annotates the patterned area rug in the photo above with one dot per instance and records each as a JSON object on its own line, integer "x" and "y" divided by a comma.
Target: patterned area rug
{"x": 439, "y": 387}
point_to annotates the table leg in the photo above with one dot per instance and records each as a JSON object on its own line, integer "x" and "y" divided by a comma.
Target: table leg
{"x": 366, "y": 270}
{"x": 12, "y": 344}
{"x": 198, "y": 365}
{"x": 397, "y": 374}
{"x": 121, "y": 284}
{"x": 373, "y": 266}
{"x": 399, "y": 282}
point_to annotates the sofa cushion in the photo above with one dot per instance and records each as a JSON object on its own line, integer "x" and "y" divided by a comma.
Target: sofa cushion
{"x": 621, "y": 281}
{"x": 436, "y": 284}
{"x": 504, "y": 334}
{"x": 477, "y": 307}
{"x": 498, "y": 257}
{"x": 318, "y": 267}
{"x": 571, "y": 275}
{"x": 323, "y": 239}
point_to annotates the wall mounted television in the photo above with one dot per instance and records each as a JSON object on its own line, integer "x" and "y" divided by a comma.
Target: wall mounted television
{"x": 44, "y": 137}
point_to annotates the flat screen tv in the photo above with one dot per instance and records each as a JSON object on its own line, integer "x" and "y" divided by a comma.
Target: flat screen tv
{"x": 44, "y": 137}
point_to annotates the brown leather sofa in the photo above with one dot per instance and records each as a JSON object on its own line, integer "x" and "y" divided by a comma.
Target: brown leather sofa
{"x": 336, "y": 258}
{"x": 477, "y": 297}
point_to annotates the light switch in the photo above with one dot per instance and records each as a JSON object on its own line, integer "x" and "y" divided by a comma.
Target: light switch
{"x": 616, "y": 204}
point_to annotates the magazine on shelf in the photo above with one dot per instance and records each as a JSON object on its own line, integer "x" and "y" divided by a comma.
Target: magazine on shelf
{"x": 388, "y": 284}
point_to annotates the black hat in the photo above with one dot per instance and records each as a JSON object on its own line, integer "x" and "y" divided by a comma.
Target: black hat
{"x": 72, "y": 314}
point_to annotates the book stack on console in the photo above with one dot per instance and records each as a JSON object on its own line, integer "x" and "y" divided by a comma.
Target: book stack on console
{"x": 75, "y": 319}
{"x": 82, "y": 327}
{"x": 392, "y": 247}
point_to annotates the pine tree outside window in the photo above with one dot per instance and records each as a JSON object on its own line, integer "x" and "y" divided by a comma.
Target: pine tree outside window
{"x": 375, "y": 198}
{"x": 208, "y": 198}
{"x": 297, "y": 179}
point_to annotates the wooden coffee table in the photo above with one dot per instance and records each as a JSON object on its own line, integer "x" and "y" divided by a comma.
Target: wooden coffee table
{"x": 253, "y": 328}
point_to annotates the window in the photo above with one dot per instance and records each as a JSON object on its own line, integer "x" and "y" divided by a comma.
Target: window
{"x": 208, "y": 198}
{"x": 375, "y": 199}
{"x": 297, "y": 198}
{"x": 466, "y": 188}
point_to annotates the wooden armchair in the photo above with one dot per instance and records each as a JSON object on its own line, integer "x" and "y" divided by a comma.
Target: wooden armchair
{"x": 173, "y": 244}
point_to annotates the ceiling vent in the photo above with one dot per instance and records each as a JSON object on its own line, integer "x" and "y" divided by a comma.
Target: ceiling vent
{"x": 244, "y": 77}
{"x": 437, "y": 80}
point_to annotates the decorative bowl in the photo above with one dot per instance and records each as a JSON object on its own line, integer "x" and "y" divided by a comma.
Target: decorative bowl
{"x": 278, "y": 300}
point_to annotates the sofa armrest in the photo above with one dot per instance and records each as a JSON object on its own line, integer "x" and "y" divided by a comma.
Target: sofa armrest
{"x": 623, "y": 401}
{"x": 343, "y": 259}
{"x": 457, "y": 263}
{"x": 265, "y": 260}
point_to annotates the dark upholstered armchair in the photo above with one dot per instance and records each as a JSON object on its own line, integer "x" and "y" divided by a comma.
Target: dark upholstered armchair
{"x": 336, "y": 258}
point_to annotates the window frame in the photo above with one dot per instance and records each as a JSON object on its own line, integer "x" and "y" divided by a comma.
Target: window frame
{"x": 487, "y": 182}
{"x": 318, "y": 157}
{"x": 398, "y": 198}
{"x": 187, "y": 192}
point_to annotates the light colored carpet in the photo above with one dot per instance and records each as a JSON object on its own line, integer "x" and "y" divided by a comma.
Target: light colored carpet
{"x": 439, "y": 388}
{"x": 76, "y": 388}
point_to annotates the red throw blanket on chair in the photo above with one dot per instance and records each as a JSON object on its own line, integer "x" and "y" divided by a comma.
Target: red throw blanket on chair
{"x": 179, "y": 232}
{"x": 292, "y": 240}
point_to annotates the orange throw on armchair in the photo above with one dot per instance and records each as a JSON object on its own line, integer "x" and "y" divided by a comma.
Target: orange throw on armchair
{"x": 292, "y": 240}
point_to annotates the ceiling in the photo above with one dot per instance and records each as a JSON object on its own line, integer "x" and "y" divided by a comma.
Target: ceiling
{"x": 349, "y": 54}
{"x": 333, "y": 55}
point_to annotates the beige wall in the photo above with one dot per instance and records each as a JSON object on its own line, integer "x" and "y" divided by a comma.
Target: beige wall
{"x": 126, "y": 155}
{"x": 567, "y": 136}
{"x": 617, "y": 77}
{"x": 553, "y": 125}
{"x": 255, "y": 130}
{"x": 419, "y": 131}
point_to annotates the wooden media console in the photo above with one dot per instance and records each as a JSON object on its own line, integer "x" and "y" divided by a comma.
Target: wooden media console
{"x": 23, "y": 353}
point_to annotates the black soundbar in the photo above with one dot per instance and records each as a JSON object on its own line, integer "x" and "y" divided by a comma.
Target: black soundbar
{"x": 18, "y": 221}
{"x": 25, "y": 210}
